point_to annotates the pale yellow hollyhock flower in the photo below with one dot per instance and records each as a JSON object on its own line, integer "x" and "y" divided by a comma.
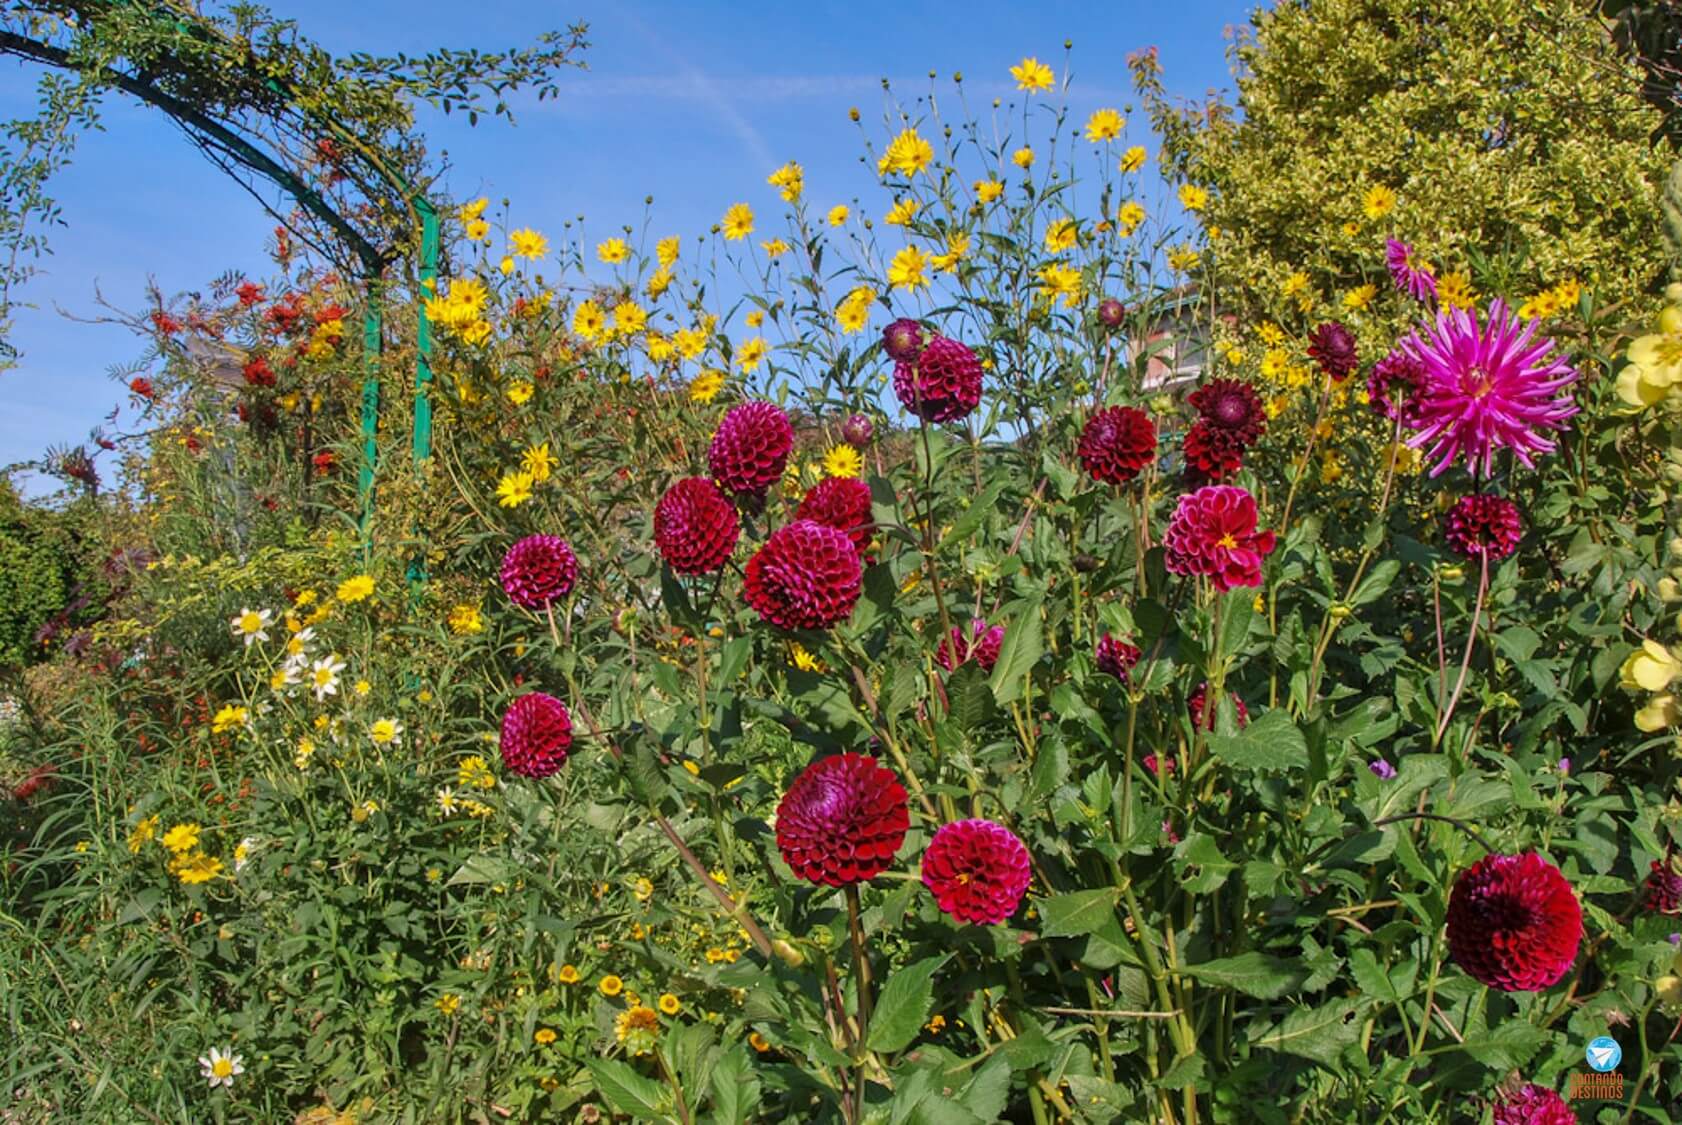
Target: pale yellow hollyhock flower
{"x": 1650, "y": 668}
{"x": 1661, "y": 711}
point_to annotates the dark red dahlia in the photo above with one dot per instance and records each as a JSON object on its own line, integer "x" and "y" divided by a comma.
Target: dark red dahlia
{"x": 857, "y": 430}
{"x": 536, "y": 735}
{"x": 1531, "y": 1104}
{"x": 903, "y": 340}
{"x": 538, "y": 570}
{"x": 943, "y": 384}
{"x": 806, "y": 576}
{"x": 1158, "y": 765}
{"x": 38, "y": 780}
{"x": 1332, "y": 346}
{"x": 1661, "y": 891}
{"x": 1111, "y": 312}
{"x": 1213, "y": 533}
{"x": 1481, "y": 526}
{"x": 1199, "y": 700}
{"x": 844, "y": 504}
{"x": 1117, "y": 443}
{"x": 1513, "y": 922}
{"x": 1232, "y": 405}
{"x": 842, "y": 820}
{"x": 1394, "y": 385}
{"x": 258, "y": 373}
{"x": 1116, "y": 657}
{"x": 750, "y": 448}
{"x": 695, "y": 526}
{"x": 982, "y": 647}
{"x": 1212, "y": 452}
{"x": 978, "y": 871}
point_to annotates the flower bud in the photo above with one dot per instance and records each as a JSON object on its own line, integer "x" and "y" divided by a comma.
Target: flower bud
{"x": 857, "y": 430}
{"x": 792, "y": 956}
{"x": 1673, "y": 292}
{"x": 1111, "y": 312}
{"x": 1668, "y": 589}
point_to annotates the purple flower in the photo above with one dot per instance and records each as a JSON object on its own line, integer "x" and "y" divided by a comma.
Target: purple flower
{"x": 1412, "y": 276}
{"x": 1676, "y": 939}
{"x": 1486, "y": 389}
{"x": 1565, "y": 765}
{"x": 1384, "y": 770}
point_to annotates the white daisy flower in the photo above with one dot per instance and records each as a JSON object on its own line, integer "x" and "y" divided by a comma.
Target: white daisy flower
{"x": 447, "y": 802}
{"x": 242, "y": 852}
{"x": 386, "y": 732}
{"x": 253, "y": 625}
{"x": 221, "y": 1067}
{"x": 324, "y": 676}
{"x": 298, "y": 643}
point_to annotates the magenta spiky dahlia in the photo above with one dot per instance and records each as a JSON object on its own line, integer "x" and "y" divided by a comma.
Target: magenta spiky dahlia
{"x": 1514, "y": 922}
{"x": 1482, "y": 526}
{"x": 982, "y": 647}
{"x": 1116, "y": 444}
{"x": 1531, "y": 1104}
{"x": 750, "y": 448}
{"x": 903, "y": 340}
{"x": 538, "y": 570}
{"x": 943, "y": 384}
{"x": 806, "y": 576}
{"x": 842, "y": 820}
{"x": 536, "y": 735}
{"x": 1332, "y": 346}
{"x": 1213, "y": 533}
{"x": 844, "y": 504}
{"x": 977, "y": 870}
{"x": 1116, "y": 657}
{"x": 1487, "y": 389}
{"x": 1412, "y": 275}
{"x": 695, "y": 526}
{"x": 1394, "y": 385}
{"x": 1233, "y": 405}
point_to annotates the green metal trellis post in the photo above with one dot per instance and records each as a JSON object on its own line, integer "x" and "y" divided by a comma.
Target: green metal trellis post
{"x": 421, "y": 440}
{"x": 373, "y": 343}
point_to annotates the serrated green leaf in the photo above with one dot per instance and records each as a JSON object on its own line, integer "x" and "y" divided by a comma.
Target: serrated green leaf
{"x": 903, "y": 1007}
{"x": 1254, "y": 974}
{"x": 1076, "y": 913}
{"x": 1271, "y": 742}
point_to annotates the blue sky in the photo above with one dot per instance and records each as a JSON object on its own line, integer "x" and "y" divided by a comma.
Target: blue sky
{"x": 692, "y": 103}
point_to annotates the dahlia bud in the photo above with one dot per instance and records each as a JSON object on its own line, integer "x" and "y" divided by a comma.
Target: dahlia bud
{"x": 1332, "y": 346}
{"x": 1087, "y": 563}
{"x": 857, "y": 430}
{"x": 1111, "y": 312}
{"x": 903, "y": 340}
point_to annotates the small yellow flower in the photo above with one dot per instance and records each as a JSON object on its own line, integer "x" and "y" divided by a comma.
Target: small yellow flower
{"x": 1378, "y": 202}
{"x": 907, "y": 269}
{"x": 669, "y": 1004}
{"x": 986, "y": 191}
{"x": 1193, "y": 198}
{"x": 181, "y": 838}
{"x": 1032, "y": 75}
{"x": 473, "y": 210}
{"x": 362, "y": 687}
{"x": 1061, "y": 235}
{"x": 520, "y": 392}
{"x": 611, "y": 985}
{"x": 589, "y": 321}
{"x": 386, "y": 732}
{"x": 758, "y": 1042}
{"x": 195, "y": 868}
{"x": 356, "y": 589}
{"x": 1454, "y": 290}
{"x": 789, "y": 180}
{"x": 642, "y": 888}
{"x": 613, "y": 251}
{"x": 706, "y": 386}
{"x": 842, "y": 461}
{"x": 568, "y": 974}
{"x": 667, "y": 249}
{"x": 449, "y": 1003}
{"x": 752, "y": 354}
{"x": 1128, "y": 218}
{"x": 837, "y": 215}
{"x": 1358, "y": 298}
{"x": 906, "y": 155}
{"x": 1023, "y": 157}
{"x": 142, "y": 833}
{"x": 544, "y": 1036}
{"x": 527, "y": 243}
{"x": 902, "y": 212}
{"x": 230, "y": 716}
{"x": 1133, "y": 159}
{"x": 475, "y": 773}
{"x": 514, "y": 489}
{"x": 1104, "y": 125}
{"x": 738, "y": 222}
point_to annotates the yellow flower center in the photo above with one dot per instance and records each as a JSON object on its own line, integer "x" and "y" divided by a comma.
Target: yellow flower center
{"x": 1228, "y": 542}
{"x": 250, "y": 622}
{"x": 222, "y": 1068}
{"x": 1477, "y": 382}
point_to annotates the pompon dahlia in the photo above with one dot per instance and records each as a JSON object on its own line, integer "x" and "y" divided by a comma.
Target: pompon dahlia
{"x": 903, "y": 340}
{"x": 1116, "y": 443}
{"x": 1213, "y": 533}
{"x": 536, "y": 735}
{"x": 806, "y": 576}
{"x": 1231, "y": 404}
{"x": 1481, "y": 526}
{"x": 844, "y": 504}
{"x": 750, "y": 448}
{"x": 1487, "y": 389}
{"x": 1116, "y": 657}
{"x": 1531, "y": 1104}
{"x": 1332, "y": 346}
{"x": 1393, "y": 387}
{"x": 978, "y": 871}
{"x": 1200, "y": 698}
{"x": 1413, "y": 276}
{"x": 982, "y": 647}
{"x": 1513, "y": 922}
{"x": 943, "y": 384}
{"x": 538, "y": 570}
{"x": 1212, "y": 452}
{"x": 842, "y": 820}
{"x": 1661, "y": 891}
{"x": 695, "y": 526}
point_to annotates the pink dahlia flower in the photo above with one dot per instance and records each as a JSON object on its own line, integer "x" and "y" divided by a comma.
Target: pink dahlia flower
{"x": 844, "y": 504}
{"x": 537, "y": 570}
{"x": 842, "y": 820}
{"x": 750, "y": 448}
{"x": 1116, "y": 657}
{"x": 977, "y": 870}
{"x": 1202, "y": 712}
{"x": 1531, "y": 1104}
{"x": 943, "y": 384}
{"x": 1483, "y": 526}
{"x": 983, "y": 646}
{"x": 1486, "y": 389}
{"x": 536, "y": 735}
{"x": 806, "y": 576}
{"x": 1213, "y": 533}
{"x": 1513, "y": 922}
{"x": 1412, "y": 275}
{"x": 695, "y": 527}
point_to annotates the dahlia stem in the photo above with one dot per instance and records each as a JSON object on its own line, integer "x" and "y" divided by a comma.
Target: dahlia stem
{"x": 677, "y": 1088}
{"x": 928, "y": 531}
{"x": 1466, "y": 660}
{"x": 1302, "y": 467}
{"x": 1460, "y": 824}
{"x": 861, "y": 982}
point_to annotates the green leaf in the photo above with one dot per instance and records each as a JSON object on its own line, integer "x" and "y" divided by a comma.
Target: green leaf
{"x": 1238, "y": 610}
{"x": 1512, "y": 1044}
{"x": 1318, "y": 1034}
{"x": 735, "y": 1090}
{"x": 1076, "y": 913}
{"x": 1393, "y": 983}
{"x": 1377, "y": 581}
{"x": 969, "y": 702}
{"x": 986, "y": 1093}
{"x": 1186, "y": 1072}
{"x": 1271, "y": 742}
{"x": 485, "y": 867}
{"x": 903, "y": 1007}
{"x": 1253, "y": 974}
{"x": 1200, "y": 850}
{"x": 1019, "y": 653}
{"x": 625, "y": 1090}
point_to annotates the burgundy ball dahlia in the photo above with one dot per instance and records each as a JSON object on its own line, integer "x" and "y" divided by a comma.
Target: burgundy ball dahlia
{"x": 943, "y": 384}
{"x": 1483, "y": 527}
{"x": 1199, "y": 699}
{"x": 1116, "y": 657}
{"x": 857, "y": 430}
{"x": 1212, "y": 452}
{"x": 1661, "y": 891}
{"x": 1231, "y": 404}
{"x": 536, "y": 735}
{"x": 695, "y": 526}
{"x": 750, "y": 448}
{"x": 1111, "y": 312}
{"x": 1332, "y": 346}
{"x": 1213, "y": 533}
{"x": 1513, "y": 922}
{"x": 844, "y": 504}
{"x": 538, "y": 570}
{"x": 1116, "y": 443}
{"x": 903, "y": 340}
{"x": 983, "y": 646}
{"x": 1531, "y": 1104}
{"x": 977, "y": 870}
{"x": 842, "y": 820}
{"x": 1393, "y": 386}
{"x": 806, "y": 576}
